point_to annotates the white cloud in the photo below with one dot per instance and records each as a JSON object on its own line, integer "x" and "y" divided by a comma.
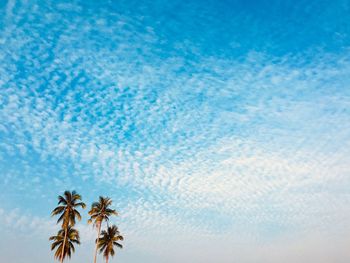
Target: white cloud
{"x": 208, "y": 147}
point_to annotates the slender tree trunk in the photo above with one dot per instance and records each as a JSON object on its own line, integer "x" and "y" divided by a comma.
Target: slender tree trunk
{"x": 107, "y": 259}
{"x": 64, "y": 245}
{"x": 97, "y": 240}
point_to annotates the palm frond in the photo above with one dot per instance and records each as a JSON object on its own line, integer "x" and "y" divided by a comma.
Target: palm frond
{"x": 71, "y": 239}
{"x": 118, "y": 245}
{"x": 62, "y": 200}
{"x": 107, "y": 241}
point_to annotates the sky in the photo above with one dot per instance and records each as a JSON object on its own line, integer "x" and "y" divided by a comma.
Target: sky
{"x": 220, "y": 129}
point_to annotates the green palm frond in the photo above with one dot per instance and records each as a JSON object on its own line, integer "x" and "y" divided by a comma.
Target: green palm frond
{"x": 117, "y": 244}
{"x": 58, "y": 241}
{"x": 108, "y": 240}
{"x": 58, "y": 210}
{"x": 100, "y": 211}
{"x": 66, "y": 208}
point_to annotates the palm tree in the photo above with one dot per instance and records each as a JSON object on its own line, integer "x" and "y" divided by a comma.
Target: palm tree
{"x": 100, "y": 211}
{"x": 67, "y": 209}
{"x": 64, "y": 242}
{"x": 108, "y": 240}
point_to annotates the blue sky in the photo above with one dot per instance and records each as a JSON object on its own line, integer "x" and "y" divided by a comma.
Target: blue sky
{"x": 221, "y": 129}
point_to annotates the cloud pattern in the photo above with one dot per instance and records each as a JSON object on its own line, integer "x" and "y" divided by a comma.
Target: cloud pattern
{"x": 207, "y": 153}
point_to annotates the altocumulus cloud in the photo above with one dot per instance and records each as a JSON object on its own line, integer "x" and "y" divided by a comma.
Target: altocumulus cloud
{"x": 207, "y": 157}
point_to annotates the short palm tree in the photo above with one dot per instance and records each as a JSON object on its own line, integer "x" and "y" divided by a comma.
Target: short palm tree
{"x": 100, "y": 211}
{"x": 67, "y": 209}
{"x": 108, "y": 240}
{"x": 64, "y": 242}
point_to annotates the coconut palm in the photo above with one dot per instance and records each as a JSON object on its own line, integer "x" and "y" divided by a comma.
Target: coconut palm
{"x": 67, "y": 210}
{"x": 108, "y": 240}
{"x": 100, "y": 211}
{"x": 64, "y": 242}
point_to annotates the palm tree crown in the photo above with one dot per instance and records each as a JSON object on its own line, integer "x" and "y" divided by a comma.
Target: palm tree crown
{"x": 66, "y": 208}
{"x": 108, "y": 240}
{"x": 65, "y": 240}
{"x": 101, "y": 210}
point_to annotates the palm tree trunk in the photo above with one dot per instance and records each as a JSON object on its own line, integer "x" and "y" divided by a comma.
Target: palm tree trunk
{"x": 107, "y": 259}
{"x": 97, "y": 240}
{"x": 64, "y": 245}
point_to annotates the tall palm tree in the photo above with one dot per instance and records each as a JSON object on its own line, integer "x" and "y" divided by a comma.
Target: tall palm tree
{"x": 67, "y": 209}
{"x": 100, "y": 211}
{"x": 108, "y": 240}
{"x": 64, "y": 242}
